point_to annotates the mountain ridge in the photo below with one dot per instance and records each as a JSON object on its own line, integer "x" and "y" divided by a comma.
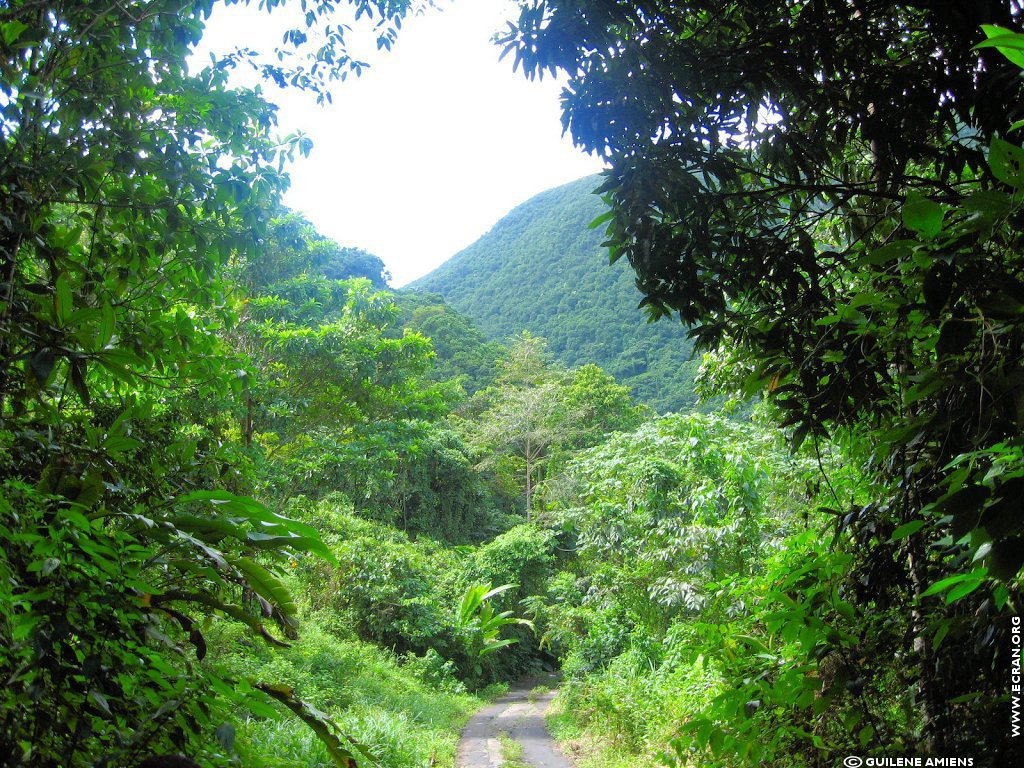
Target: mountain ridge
{"x": 542, "y": 268}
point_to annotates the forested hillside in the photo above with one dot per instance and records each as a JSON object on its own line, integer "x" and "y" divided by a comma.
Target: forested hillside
{"x": 542, "y": 269}
{"x": 461, "y": 351}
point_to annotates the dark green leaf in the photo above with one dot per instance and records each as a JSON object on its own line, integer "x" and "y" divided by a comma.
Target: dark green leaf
{"x": 225, "y": 734}
{"x": 956, "y": 337}
{"x": 42, "y": 363}
{"x": 1007, "y": 163}
{"x": 907, "y": 529}
{"x": 923, "y": 216}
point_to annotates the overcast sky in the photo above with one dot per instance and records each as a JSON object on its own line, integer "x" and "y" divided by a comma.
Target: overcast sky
{"x": 430, "y": 147}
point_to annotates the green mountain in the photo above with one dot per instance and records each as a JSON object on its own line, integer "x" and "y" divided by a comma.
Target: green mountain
{"x": 542, "y": 269}
{"x": 461, "y": 351}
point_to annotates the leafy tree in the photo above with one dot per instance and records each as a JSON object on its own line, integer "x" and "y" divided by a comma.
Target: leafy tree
{"x": 524, "y": 423}
{"x": 126, "y": 184}
{"x": 660, "y": 513}
{"x": 340, "y": 401}
{"x": 523, "y": 556}
{"x": 418, "y": 476}
{"x": 536, "y": 408}
{"x": 826, "y": 186}
{"x": 700, "y": 596}
{"x": 328, "y": 367}
{"x": 343, "y": 394}
{"x": 461, "y": 352}
{"x": 293, "y": 247}
{"x": 599, "y": 405}
{"x": 383, "y": 584}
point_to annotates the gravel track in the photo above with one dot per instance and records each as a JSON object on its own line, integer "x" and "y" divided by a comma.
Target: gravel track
{"x": 523, "y": 720}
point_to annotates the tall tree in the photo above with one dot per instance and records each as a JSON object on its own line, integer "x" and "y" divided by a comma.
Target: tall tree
{"x": 524, "y": 423}
{"x": 293, "y": 247}
{"x": 126, "y": 183}
{"x": 825, "y": 186}
{"x": 536, "y": 408}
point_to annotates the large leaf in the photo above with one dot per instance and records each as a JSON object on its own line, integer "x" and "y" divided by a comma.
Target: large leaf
{"x": 497, "y": 645}
{"x": 306, "y": 537}
{"x": 265, "y": 584}
{"x": 1006, "y": 41}
{"x": 975, "y": 577}
{"x": 343, "y": 755}
{"x": 497, "y": 591}
{"x": 1007, "y": 163}
{"x": 471, "y": 600}
{"x": 923, "y": 216}
{"x": 209, "y": 529}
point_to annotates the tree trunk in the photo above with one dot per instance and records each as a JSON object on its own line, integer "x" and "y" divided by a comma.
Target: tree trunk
{"x": 529, "y": 483}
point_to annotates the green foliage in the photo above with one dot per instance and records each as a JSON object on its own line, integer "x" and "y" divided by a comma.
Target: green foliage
{"x": 401, "y": 711}
{"x": 420, "y": 477}
{"x": 461, "y": 352}
{"x": 522, "y": 556}
{"x": 543, "y": 269}
{"x": 128, "y": 186}
{"x": 383, "y": 584}
{"x": 536, "y": 410}
{"x": 700, "y": 584}
{"x": 75, "y": 592}
{"x": 682, "y": 502}
{"x": 845, "y": 214}
{"x": 659, "y": 516}
{"x": 519, "y": 556}
{"x": 511, "y": 751}
{"x": 342, "y": 396}
{"x": 333, "y": 384}
{"x": 599, "y": 405}
{"x": 293, "y": 248}
{"x": 422, "y": 598}
{"x": 478, "y": 619}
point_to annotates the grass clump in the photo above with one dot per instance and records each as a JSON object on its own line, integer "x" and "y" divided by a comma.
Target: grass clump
{"x": 511, "y": 752}
{"x": 537, "y": 693}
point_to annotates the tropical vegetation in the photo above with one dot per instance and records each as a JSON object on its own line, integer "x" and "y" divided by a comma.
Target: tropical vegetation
{"x": 542, "y": 269}
{"x": 258, "y": 509}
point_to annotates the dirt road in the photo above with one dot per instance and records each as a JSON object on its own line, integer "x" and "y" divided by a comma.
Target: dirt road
{"x": 523, "y": 720}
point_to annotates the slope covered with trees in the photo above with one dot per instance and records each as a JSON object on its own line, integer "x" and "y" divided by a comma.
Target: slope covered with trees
{"x": 542, "y": 269}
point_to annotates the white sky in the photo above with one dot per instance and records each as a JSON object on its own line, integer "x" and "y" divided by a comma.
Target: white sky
{"x": 425, "y": 151}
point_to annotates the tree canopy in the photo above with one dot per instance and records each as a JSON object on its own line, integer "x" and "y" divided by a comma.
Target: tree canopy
{"x": 829, "y": 188}
{"x": 127, "y": 185}
{"x": 536, "y": 409}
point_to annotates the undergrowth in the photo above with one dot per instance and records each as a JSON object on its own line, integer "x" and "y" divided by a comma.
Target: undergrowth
{"x": 406, "y": 712}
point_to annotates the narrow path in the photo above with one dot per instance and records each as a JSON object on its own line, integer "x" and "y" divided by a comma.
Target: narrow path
{"x": 521, "y": 719}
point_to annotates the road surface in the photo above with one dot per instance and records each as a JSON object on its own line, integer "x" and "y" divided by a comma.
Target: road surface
{"x": 523, "y": 720}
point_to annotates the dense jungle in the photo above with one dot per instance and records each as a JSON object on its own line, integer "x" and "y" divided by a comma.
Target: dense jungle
{"x": 259, "y": 508}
